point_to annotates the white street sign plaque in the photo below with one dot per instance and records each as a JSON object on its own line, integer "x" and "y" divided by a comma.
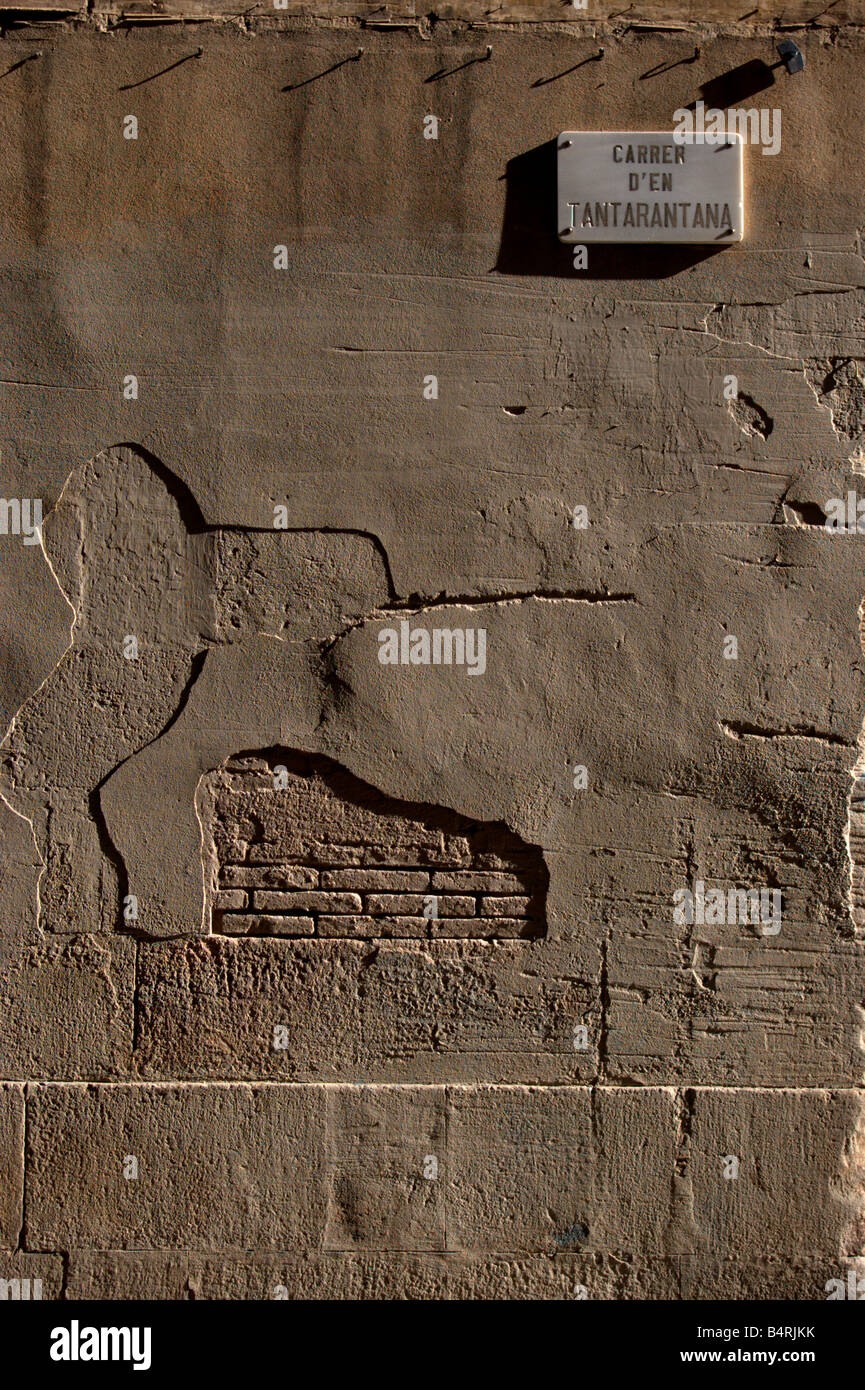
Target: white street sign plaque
{"x": 647, "y": 186}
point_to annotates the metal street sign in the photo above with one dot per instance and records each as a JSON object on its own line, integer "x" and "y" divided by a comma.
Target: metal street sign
{"x": 649, "y": 186}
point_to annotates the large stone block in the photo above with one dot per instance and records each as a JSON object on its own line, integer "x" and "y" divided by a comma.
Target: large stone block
{"x": 217, "y": 1167}
{"x": 398, "y": 1012}
{"x": 404, "y": 1276}
{"x": 789, "y": 1199}
{"x": 388, "y": 1168}
{"x": 537, "y": 1170}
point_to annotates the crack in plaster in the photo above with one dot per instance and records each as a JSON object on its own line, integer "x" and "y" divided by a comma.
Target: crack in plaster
{"x": 737, "y": 730}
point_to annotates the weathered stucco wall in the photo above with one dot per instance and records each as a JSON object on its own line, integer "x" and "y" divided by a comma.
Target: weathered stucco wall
{"x": 534, "y": 1087}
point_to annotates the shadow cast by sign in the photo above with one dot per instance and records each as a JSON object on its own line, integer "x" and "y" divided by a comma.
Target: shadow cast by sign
{"x": 530, "y": 246}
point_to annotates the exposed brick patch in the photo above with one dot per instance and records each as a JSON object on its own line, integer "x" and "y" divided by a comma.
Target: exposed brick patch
{"x": 328, "y": 855}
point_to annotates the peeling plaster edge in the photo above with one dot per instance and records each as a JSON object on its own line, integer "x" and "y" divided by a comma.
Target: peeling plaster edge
{"x": 856, "y": 773}
{"x": 852, "y": 1170}
{"x": 32, "y": 693}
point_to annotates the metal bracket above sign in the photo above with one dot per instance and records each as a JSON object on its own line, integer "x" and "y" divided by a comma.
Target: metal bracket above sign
{"x": 650, "y": 186}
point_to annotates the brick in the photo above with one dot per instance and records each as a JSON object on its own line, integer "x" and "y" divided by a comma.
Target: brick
{"x": 468, "y": 881}
{"x": 258, "y": 1151}
{"x": 307, "y": 902}
{"x": 409, "y": 904}
{"x": 503, "y": 907}
{"x": 453, "y": 906}
{"x": 11, "y": 1164}
{"x": 232, "y": 900}
{"x": 273, "y": 876}
{"x": 376, "y": 880}
{"x": 263, "y": 924}
{"x": 336, "y": 855}
{"x": 369, "y": 927}
{"x": 454, "y": 854}
{"x": 484, "y": 928}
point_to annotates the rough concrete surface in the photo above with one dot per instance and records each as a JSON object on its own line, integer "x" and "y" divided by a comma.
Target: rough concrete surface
{"x": 432, "y": 854}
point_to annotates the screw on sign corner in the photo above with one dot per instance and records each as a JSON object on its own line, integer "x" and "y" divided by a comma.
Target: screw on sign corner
{"x": 791, "y": 56}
